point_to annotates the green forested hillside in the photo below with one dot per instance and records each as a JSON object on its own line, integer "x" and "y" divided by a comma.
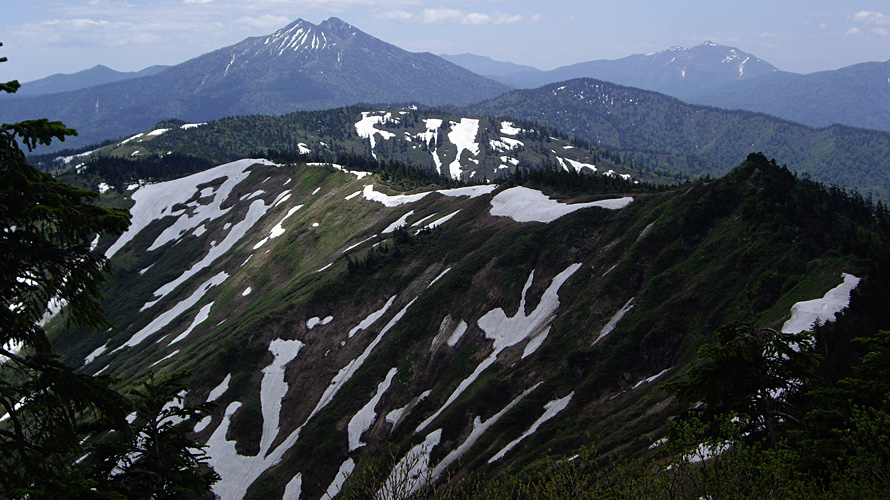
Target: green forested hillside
{"x": 634, "y": 291}
{"x": 664, "y": 132}
{"x": 430, "y": 140}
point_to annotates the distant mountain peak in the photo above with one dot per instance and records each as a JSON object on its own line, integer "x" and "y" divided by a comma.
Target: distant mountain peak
{"x": 299, "y": 36}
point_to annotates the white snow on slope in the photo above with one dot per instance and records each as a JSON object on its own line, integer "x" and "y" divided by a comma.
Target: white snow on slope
{"x": 356, "y": 245}
{"x": 91, "y": 356}
{"x": 357, "y": 173}
{"x": 650, "y": 379}
{"x": 479, "y": 428}
{"x": 471, "y": 191}
{"x": 337, "y": 483}
{"x": 155, "y": 201}
{"x": 371, "y": 318}
{"x": 576, "y": 165}
{"x": 316, "y": 321}
{"x": 412, "y": 472}
{"x": 274, "y": 387}
{"x": 140, "y": 134}
{"x": 365, "y": 418}
{"x": 437, "y": 278}
{"x": 256, "y": 210}
{"x": 431, "y": 134}
{"x": 507, "y": 332}
{"x": 156, "y": 132}
{"x": 613, "y": 321}
{"x": 551, "y": 410}
{"x": 440, "y": 221}
{"x": 165, "y": 358}
{"x": 391, "y": 200}
{"x": 402, "y": 221}
{"x": 168, "y": 316}
{"x": 201, "y": 317}
{"x": 463, "y": 135}
{"x": 238, "y": 472}
{"x": 528, "y": 205}
{"x": 509, "y": 128}
{"x": 449, "y": 332}
{"x": 400, "y": 199}
{"x": 366, "y": 130}
{"x": 278, "y": 230}
{"x": 219, "y": 390}
{"x": 395, "y": 415}
{"x": 294, "y": 488}
{"x": 349, "y": 370}
{"x": 805, "y": 314}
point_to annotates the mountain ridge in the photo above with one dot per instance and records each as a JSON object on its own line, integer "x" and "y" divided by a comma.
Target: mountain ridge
{"x": 97, "y": 75}
{"x": 236, "y": 80}
{"x": 665, "y": 132}
{"x": 304, "y": 312}
{"x": 678, "y": 71}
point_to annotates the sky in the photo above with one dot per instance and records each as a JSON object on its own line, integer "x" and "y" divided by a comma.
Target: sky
{"x": 44, "y": 37}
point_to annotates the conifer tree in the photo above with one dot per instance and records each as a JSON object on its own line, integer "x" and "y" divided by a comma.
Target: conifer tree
{"x": 47, "y": 409}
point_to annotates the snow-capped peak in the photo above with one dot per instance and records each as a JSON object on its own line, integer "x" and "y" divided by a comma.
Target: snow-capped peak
{"x": 298, "y": 36}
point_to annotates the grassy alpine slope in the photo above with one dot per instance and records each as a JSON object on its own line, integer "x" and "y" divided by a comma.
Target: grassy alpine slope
{"x": 332, "y": 340}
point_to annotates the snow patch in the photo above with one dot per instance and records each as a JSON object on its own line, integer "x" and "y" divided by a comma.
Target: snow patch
{"x": 412, "y": 472}
{"x": 528, "y": 205}
{"x": 202, "y": 316}
{"x": 316, "y": 321}
{"x": 551, "y": 410}
{"x": 479, "y": 428}
{"x": 650, "y": 379}
{"x": 95, "y": 354}
{"x": 509, "y": 128}
{"x": 463, "y": 135}
{"x": 167, "y": 317}
{"x": 506, "y": 332}
{"x": 219, "y": 390}
{"x": 273, "y": 388}
{"x": 365, "y": 418}
{"x": 402, "y": 221}
{"x": 294, "y": 488}
{"x": 613, "y": 321}
{"x": 805, "y": 314}
{"x": 349, "y": 370}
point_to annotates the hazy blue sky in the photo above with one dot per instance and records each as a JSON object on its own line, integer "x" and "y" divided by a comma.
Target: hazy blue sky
{"x": 42, "y": 37}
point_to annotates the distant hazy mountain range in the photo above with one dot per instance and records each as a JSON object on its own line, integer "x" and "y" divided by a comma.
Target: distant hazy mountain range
{"x": 664, "y": 132}
{"x": 301, "y": 66}
{"x": 97, "y": 75}
{"x": 726, "y": 77}
{"x": 857, "y": 95}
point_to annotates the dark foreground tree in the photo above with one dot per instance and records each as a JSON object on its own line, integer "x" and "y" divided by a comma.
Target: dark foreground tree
{"x": 47, "y": 409}
{"x": 156, "y": 457}
{"x": 749, "y": 372}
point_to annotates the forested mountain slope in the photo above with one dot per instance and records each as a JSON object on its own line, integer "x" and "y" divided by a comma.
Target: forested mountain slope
{"x": 665, "y": 132}
{"x": 301, "y": 66}
{"x": 460, "y": 147}
{"x": 461, "y": 330}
